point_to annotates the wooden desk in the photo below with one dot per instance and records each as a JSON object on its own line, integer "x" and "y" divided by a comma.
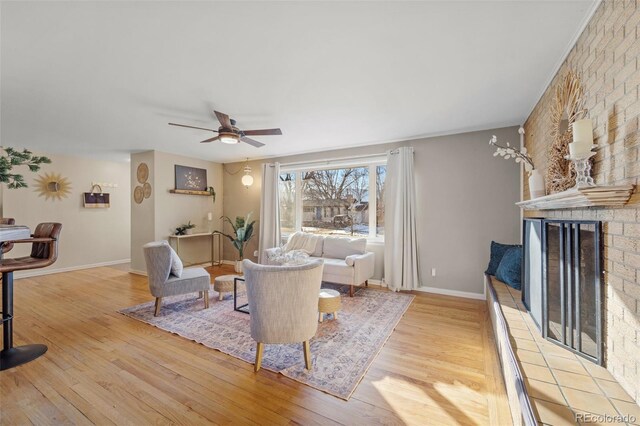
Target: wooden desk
{"x": 216, "y": 237}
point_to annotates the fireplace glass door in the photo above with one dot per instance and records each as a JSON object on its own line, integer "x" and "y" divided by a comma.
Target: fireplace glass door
{"x": 572, "y": 289}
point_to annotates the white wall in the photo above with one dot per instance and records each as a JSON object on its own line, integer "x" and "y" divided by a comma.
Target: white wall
{"x": 465, "y": 199}
{"x": 89, "y": 236}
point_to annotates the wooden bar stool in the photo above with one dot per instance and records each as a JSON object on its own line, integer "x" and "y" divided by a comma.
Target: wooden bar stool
{"x": 44, "y": 252}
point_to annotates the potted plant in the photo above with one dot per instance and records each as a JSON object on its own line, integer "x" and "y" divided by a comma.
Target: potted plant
{"x": 12, "y": 158}
{"x": 242, "y": 234}
{"x": 185, "y": 229}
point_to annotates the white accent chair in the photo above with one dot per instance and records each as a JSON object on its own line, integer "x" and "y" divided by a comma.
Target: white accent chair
{"x": 283, "y": 301}
{"x": 346, "y": 260}
{"x": 162, "y": 283}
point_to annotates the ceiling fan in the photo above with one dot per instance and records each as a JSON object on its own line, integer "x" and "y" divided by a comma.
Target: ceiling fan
{"x": 229, "y": 133}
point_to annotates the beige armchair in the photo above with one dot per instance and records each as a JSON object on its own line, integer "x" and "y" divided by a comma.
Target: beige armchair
{"x": 283, "y": 301}
{"x": 162, "y": 283}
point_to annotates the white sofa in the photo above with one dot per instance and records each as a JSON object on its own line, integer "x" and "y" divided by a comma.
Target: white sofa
{"x": 346, "y": 260}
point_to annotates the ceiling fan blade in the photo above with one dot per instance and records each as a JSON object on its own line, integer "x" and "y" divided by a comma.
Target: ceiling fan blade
{"x": 192, "y": 127}
{"x": 215, "y": 138}
{"x": 224, "y": 119}
{"x": 264, "y": 132}
{"x": 251, "y": 142}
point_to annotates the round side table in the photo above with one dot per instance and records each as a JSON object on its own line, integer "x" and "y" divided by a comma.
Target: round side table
{"x": 224, "y": 284}
{"x": 329, "y": 302}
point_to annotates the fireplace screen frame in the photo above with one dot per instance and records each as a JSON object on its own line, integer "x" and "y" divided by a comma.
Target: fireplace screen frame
{"x": 570, "y": 285}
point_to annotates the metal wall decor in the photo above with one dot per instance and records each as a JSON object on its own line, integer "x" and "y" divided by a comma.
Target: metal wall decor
{"x": 144, "y": 190}
{"x": 53, "y": 185}
{"x": 567, "y": 108}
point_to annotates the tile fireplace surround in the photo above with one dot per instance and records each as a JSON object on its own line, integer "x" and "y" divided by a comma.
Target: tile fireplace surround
{"x": 563, "y": 388}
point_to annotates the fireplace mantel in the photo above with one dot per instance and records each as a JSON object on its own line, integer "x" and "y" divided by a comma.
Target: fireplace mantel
{"x": 594, "y": 196}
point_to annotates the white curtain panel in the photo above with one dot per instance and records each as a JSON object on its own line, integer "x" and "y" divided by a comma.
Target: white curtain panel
{"x": 269, "y": 210}
{"x": 401, "y": 242}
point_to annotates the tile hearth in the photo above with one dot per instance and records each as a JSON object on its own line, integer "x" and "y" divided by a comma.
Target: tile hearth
{"x": 563, "y": 387}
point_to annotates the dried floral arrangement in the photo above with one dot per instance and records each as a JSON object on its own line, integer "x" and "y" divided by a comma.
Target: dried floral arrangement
{"x": 568, "y": 105}
{"x": 507, "y": 152}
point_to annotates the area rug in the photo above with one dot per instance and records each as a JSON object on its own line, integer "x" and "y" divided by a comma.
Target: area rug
{"x": 342, "y": 349}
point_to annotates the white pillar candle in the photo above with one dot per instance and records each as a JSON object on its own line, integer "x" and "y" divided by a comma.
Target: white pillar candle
{"x": 582, "y": 136}
{"x": 573, "y": 150}
{"x": 209, "y": 216}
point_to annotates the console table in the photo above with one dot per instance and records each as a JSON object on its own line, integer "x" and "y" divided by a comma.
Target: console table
{"x": 216, "y": 240}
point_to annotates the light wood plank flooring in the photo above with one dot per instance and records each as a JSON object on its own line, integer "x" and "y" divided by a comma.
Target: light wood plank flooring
{"x": 438, "y": 367}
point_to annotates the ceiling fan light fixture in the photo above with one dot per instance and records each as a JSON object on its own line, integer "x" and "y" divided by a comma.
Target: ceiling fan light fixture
{"x": 229, "y": 139}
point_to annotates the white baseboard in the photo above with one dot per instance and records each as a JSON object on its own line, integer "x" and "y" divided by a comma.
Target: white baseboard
{"x": 40, "y": 272}
{"x": 136, "y": 272}
{"x": 456, "y": 293}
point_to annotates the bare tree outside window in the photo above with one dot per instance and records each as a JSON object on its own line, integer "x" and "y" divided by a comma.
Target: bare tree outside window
{"x": 334, "y": 201}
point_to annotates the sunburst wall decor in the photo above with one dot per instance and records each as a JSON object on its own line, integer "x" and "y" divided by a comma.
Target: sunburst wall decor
{"x": 53, "y": 185}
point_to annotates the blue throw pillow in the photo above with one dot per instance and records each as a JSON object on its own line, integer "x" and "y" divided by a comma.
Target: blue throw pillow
{"x": 497, "y": 251}
{"x": 510, "y": 268}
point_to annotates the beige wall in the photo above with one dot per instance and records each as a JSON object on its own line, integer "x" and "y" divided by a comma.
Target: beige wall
{"x": 89, "y": 236}
{"x": 142, "y": 215}
{"x": 465, "y": 198}
{"x": 157, "y": 217}
{"x": 606, "y": 58}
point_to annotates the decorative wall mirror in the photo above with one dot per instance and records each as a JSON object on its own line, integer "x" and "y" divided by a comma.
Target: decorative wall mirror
{"x": 567, "y": 108}
{"x": 53, "y": 185}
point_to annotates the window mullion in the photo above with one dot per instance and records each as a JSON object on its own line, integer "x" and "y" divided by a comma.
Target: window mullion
{"x": 372, "y": 201}
{"x": 298, "y": 203}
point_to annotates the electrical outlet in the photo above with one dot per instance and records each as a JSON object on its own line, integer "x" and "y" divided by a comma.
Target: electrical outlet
{"x": 433, "y": 272}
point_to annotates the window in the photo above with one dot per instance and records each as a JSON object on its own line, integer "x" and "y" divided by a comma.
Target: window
{"x": 345, "y": 201}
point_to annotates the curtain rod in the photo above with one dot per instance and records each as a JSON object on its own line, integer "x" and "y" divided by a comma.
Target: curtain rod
{"x": 332, "y": 160}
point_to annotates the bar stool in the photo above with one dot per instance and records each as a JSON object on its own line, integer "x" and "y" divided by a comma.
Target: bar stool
{"x": 44, "y": 252}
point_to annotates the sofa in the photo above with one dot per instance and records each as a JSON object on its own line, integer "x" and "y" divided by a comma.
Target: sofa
{"x": 346, "y": 260}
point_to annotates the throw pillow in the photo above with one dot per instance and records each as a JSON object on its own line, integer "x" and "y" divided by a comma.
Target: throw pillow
{"x": 497, "y": 251}
{"x": 510, "y": 268}
{"x": 176, "y": 263}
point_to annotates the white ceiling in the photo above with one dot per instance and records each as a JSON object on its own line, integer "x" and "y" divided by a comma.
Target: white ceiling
{"x": 104, "y": 78}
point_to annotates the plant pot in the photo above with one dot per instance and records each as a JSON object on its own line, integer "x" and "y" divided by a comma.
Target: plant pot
{"x": 238, "y": 266}
{"x": 188, "y": 231}
{"x": 536, "y": 184}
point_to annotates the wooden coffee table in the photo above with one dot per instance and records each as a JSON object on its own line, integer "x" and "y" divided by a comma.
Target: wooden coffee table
{"x": 329, "y": 302}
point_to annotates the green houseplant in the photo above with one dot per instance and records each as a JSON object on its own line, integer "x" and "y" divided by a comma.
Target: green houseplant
{"x": 242, "y": 234}
{"x": 11, "y": 158}
{"x": 182, "y": 229}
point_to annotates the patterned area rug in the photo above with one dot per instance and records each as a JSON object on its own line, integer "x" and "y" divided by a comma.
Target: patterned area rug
{"x": 342, "y": 349}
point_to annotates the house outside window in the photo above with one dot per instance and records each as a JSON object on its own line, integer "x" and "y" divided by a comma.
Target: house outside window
{"x": 344, "y": 199}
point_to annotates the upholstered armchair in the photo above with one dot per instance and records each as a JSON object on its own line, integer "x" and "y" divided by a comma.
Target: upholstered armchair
{"x": 162, "y": 283}
{"x": 283, "y": 301}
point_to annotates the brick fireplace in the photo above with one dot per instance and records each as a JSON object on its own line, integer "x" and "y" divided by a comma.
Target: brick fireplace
{"x": 605, "y": 57}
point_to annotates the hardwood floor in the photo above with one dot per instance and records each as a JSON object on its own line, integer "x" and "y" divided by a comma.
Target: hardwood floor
{"x": 438, "y": 367}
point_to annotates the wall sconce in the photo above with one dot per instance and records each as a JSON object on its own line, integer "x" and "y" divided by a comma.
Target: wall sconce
{"x": 247, "y": 179}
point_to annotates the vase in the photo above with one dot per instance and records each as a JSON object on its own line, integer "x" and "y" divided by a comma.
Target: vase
{"x": 536, "y": 184}
{"x": 238, "y": 266}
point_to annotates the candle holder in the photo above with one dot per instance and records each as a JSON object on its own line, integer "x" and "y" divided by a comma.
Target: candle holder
{"x": 583, "y": 169}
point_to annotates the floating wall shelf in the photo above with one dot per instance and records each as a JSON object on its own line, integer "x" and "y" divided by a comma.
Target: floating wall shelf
{"x": 592, "y": 196}
{"x": 188, "y": 192}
